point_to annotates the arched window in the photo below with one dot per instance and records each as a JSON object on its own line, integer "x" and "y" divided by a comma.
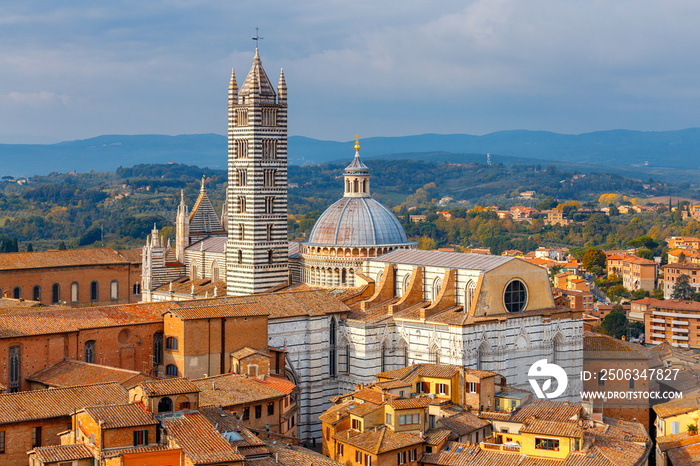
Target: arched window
{"x": 241, "y": 232}
{"x": 15, "y": 360}
{"x": 214, "y": 272}
{"x": 171, "y": 343}
{"x": 437, "y": 285}
{"x": 165, "y": 405}
{"x": 55, "y": 293}
{"x": 434, "y": 354}
{"x": 171, "y": 369}
{"x": 36, "y": 294}
{"x": 269, "y": 233}
{"x": 406, "y": 282}
{"x": 469, "y": 291}
{"x": 354, "y": 185}
{"x": 74, "y": 292}
{"x": 270, "y": 256}
{"x": 90, "y": 351}
{"x": 403, "y": 352}
{"x": 344, "y": 277}
{"x": 515, "y": 296}
{"x": 331, "y": 352}
{"x": 480, "y": 354}
{"x": 382, "y": 357}
{"x": 94, "y": 291}
{"x": 193, "y": 272}
{"x": 137, "y": 288}
{"x": 17, "y": 293}
{"x": 557, "y": 346}
{"x": 379, "y": 277}
{"x": 240, "y": 256}
{"x": 344, "y": 357}
{"x": 157, "y": 348}
{"x": 114, "y": 290}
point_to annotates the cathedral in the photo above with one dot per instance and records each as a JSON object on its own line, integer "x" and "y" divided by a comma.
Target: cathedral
{"x": 392, "y": 305}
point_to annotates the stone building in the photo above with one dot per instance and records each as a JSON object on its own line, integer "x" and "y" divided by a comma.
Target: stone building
{"x": 354, "y": 228}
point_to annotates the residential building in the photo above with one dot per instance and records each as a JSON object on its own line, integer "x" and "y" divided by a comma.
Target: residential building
{"x": 672, "y": 272}
{"x": 674, "y": 417}
{"x": 683, "y": 242}
{"x": 639, "y": 274}
{"x": 166, "y": 395}
{"x": 678, "y": 449}
{"x": 555, "y": 217}
{"x": 672, "y": 321}
{"x": 674, "y": 256}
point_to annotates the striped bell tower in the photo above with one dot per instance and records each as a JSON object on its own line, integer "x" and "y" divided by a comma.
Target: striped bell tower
{"x": 256, "y": 251}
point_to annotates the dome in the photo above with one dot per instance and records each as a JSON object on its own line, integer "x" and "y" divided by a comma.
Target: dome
{"x": 357, "y": 221}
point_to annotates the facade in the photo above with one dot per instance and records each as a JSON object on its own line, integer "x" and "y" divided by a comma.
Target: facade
{"x": 353, "y": 229}
{"x": 672, "y": 272}
{"x": 675, "y": 416}
{"x": 639, "y": 274}
{"x": 257, "y": 183}
{"x": 76, "y": 277}
{"x": 671, "y": 321}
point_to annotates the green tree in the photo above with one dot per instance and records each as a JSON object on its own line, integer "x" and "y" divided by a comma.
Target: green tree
{"x": 30, "y": 248}
{"x": 614, "y": 324}
{"x": 593, "y": 257}
{"x": 682, "y": 289}
{"x": 645, "y": 253}
{"x": 61, "y": 246}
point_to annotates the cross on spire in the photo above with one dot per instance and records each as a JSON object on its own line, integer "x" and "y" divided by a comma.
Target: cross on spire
{"x": 257, "y": 38}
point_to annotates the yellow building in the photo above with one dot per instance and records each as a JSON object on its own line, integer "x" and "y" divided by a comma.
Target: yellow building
{"x": 674, "y": 417}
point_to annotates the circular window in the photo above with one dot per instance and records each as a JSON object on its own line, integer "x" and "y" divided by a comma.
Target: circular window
{"x": 515, "y": 296}
{"x": 123, "y": 336}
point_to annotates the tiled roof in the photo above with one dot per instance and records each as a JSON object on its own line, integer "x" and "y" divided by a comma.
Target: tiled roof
{"x": 199, "y": 441}
{"x": 247, "y": 351}
{"x": 626, "y": 430}
{"x": 563, "y": 428}
{"x": 409, "y": 403}
{"x": 684, "y": 456}
{"x": 440, "y": 371}
{"x": 177, "y": 386}
{"x": 134, "y": 256}
{"x": 668, "y": 442}
{"x": 437, "y": 436}
{"x": 66, "y": 258}
{"x": 216, "y": 244}
{"x": 118, "y": 416}
{"x": 546, "y": 410}
{"x": 338, "y": 411}
{"x": 140, "y": 449}
{"x": 392, "y": 384}
{"x": 451, "y": 260}
{"x": 69, "y": 372}
{"x": 43, "y": 322}
{"x": 597, "y": 346}
{"x": 58, "y": 402}
{"x": 463, "y": 423}
{"x": 293, "y": 455}
{"x": 204, "y": 311}
{"x": 280, "y": 384}
{"x": 396, "y": 373}
{"x": 232, "y": 390}
{"x": 226, "y": 423}
{"x": 203, "y": 287}
{"x": 57, "y": 453}
{"x": 378, "y": 441}
{"x": 368, "y": 394}
{"x": 364, "y": 409}
{"x": 479, "y": 373}
{"x": 678, "y": 406}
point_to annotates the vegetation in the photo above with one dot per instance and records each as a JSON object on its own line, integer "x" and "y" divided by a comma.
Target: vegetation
{"x": 616, "y": 325}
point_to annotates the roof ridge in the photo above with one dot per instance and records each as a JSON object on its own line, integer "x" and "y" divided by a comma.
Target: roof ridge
{"x": 54, "y": 390}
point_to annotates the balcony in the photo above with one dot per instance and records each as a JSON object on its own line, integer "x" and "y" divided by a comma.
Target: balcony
{"x": 657, "y": 321}
{"x": 680, "y": 330}
{"x": 679, "y": 322}
{"x": 680, "y": 337}
{"x": 658, "y": 327}
{"x": 658, "y": 335}
{"x": 507, "y": 447}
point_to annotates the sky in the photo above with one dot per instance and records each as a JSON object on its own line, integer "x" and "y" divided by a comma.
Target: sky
{"x": 78, "y": 69}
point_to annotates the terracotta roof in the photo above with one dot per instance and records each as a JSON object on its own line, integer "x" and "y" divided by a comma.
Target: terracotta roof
{"x": 44, "y": 322}
{"x": 66, "y": 258}
{"x": 409, "y": 403}
{"x": 392, "y": 384}
{"x": 215, "y": 244}
{"x": 177, "y": 386}
{"x": 364, "y": 409}
{"x": 280, "y": 384}
{"x": 247, "y": 351}
{"x": 134, "y": 256}
{"x": 678, "y": 406}
{"x": 440, "y": 371}
{"x": 57, "y": 453}
{"x": 368, "y": 394}
{"x": 232, "y": 390}
{"x": 140, "y": 449}
{"x": 338, "y": 411}
{"x": 381, "y": 440}
{"x": 293, "y": 455}
{"x": 58, "y": 402}
{"x": 204, "y": 311}
{"x": 597, "y": 346}
{"x": 546, "y": 410}
{"x": 203, "y": 288}
{"x": 453, "y": 260}
{"x": 118, "y": 416}
{"x": 463, "y": 423}
{"x": 199, "y": 441}
{"x": 69, "y": 372}
{"x": 562, "y": 428}
{"x": 396, "y": 373}
{"x": 676, "y": 440}
{"x": 226, "y": 423}
{"x": 436, "y": 436}
{"x": 479, "y": 373}
{"x": 684, "y": 456}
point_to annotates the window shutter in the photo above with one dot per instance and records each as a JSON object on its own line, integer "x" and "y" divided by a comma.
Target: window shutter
{"x": 478, "y": 388}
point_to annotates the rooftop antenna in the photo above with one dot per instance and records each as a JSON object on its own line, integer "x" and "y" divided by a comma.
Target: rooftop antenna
{"x": 257, "y": 38}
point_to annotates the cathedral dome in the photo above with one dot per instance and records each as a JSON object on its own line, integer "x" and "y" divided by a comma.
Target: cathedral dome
{"x": 357, "y": 221}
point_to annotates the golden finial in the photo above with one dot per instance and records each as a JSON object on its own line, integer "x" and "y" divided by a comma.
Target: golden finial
{"x": 357, "y": 143}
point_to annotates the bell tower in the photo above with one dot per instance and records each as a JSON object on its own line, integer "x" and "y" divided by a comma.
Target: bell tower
{"x": 256, "y": 251}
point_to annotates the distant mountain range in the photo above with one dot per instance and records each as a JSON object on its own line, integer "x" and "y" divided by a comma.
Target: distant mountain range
{"x": 634, "y": 150}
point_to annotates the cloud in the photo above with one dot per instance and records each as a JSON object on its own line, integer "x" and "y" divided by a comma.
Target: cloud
{"x": 40, "y": 98}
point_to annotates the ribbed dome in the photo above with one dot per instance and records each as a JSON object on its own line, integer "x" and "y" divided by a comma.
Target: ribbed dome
{"x": 357, "y": 221}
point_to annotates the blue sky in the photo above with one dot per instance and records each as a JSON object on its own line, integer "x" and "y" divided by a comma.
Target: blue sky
{"x": 77, "y": 69}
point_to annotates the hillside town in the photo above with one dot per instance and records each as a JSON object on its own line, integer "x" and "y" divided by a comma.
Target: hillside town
{"x": 232, "y": 346}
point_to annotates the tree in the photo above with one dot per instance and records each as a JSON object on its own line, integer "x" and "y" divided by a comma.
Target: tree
{"x": 593, "y": 257}
{"x": 61, "y": 246}
{"x": 682, "y": 289}
{"x": 645, "y": 253}
{"x": 30, "y": 248}
{"x": 614, "y": 324}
